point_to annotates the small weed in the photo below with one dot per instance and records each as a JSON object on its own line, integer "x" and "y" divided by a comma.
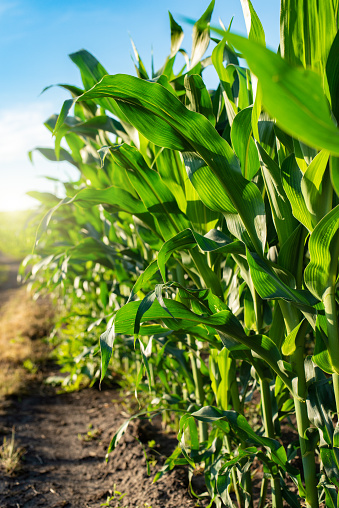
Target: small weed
{"x": 29, "y": 365}
{"x": 10, "y": 455}
{"x": 91, "y": 434}
{"x": 117, "y": 496}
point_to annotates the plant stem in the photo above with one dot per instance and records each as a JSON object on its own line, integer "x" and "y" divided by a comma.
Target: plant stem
{"x": 234, "y": 475}
{"x": 199, "y": 390}
{"x": 277, "y": 501}
{"x": 333, "y": 338}
{"x": 297, "y": 362}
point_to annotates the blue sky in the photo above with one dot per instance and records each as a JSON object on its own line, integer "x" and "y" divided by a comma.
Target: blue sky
{"x": 36, "y": 37}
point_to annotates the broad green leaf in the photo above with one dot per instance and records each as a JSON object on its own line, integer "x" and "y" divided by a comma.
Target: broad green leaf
{"x": 280, "y": 206}
{"x": 201, "y": 35}
{"x": 203, "y": 219}
{"x": 315, "y": 186}
{"x": 242, "y": 428}
{"x": 293, "y": 96}
{"x": 114, "y": 196}
{"x": 223, "y": 321}
{"x": 270, "y": 286}
{"x": 91, "y": 72}
{"x": 254, "y": 27}
{"x": 144, "y": 277}
{"x": 291, "y": 254}
{"x": 106, "y": 347}
{"x": 332, "y": 73}
{"x": 292, "y": 178}
{"x": 50, "y": 154}
{"x": 63, "y": 114}
{"x": 243, "y": 143}
{"x": 334, "y": 169}
{"x": 197, "y": 97}
{"x": 214, "y": 241}
{"x": 307, "y": 30}
{"x": 172, "y": 170}
{"x": 155, "y": 195}
{"x": 146, "y": 104}
{"x": 291, "y": 341}
{"x": 321, "y": 272}
{"x": 218, "y": 57}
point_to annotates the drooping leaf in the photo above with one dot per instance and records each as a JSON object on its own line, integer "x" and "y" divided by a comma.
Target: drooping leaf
{"x": 164, "y": 120}
{"x": 294, "y": 96}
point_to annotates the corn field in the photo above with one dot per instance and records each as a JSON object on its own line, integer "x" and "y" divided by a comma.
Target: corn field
{"x": 201, "y": 244}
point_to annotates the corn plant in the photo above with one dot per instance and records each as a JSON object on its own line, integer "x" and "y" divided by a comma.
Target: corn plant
{"x": 217, "y": 236}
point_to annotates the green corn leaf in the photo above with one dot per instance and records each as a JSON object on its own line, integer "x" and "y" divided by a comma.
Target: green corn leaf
{"x": 254, "y": 27}
{"x": 214, "y": 241}
{"x": 50, "y": 154}
{"x": 307, "y": 31}
{"x": 91, "y": 72}
{"x": 156, "y": 196}
{"x": 291, "y": 341}
{"x": 331, "y": 495}
{"x": 243, "y": 143}
{"x": 114, "y": 196}
{"x": 292, "y": 178}
{"x": 218, "y": 56}
{"x": 269, "y": 286}
{"x": 172, "y": 170}
{"x": 292, "y": 95}
{"x": 203, "y": 219}
{"x": 164, "y": 120}
{"x": 321, "y": 356}
{"x": 332, "y": 73}
{"x": 63, "y": 114}
{"x": 334, "y": 169}
{"x": 242, "y": 428}
{"x": 315, "y": 187}
{"x": 281, "y": 208}
{"x": 201, "y": 36}
{"x": 177, "y": 35}
{"x": 321, "y": 272}
{"x": 139, "y": 67}
{"x": 287, "y": 255}
{"x": 106, "y": 347}
{"x": 129, "y": 317}
{"x": 198, "y": 98}
{"x": 320, "y": 403}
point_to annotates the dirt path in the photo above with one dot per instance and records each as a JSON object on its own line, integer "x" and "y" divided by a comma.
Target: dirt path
{"x": 65, "y": 466}
{"x": 9, "y": 286}
{"x": 65, "y": 437}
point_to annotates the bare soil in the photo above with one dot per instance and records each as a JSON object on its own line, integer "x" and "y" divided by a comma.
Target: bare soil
{"x": 65, "y": 436}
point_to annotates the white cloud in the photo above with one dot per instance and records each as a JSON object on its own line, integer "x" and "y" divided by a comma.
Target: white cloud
{"x": 21, "y": 129}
